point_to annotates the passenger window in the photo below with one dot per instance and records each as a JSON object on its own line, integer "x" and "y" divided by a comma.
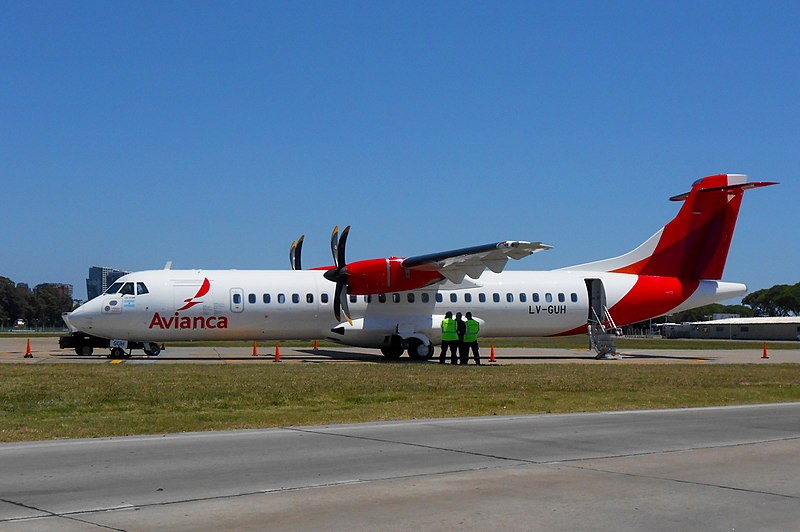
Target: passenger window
{"x": 266, "y": 299}
{"x": 281, "y": 299}
{"x": 482, "y": 298}
{"x": 548, "y": 297}
{"x": 453, "y": 298}
{"x": 425, "y": 297}
{"x": 114, "y": 288}
{"x": 295, "y": 298}
{"x": 237, "y": 299}
{"x": 523, "y": 298}
{"x": 251, "y": 298}
{"x": 309, "y": 298}
{"x": 574, "y": 297}
{"x": 323, "y": 297}
{"x": 353, "y": 299}
{"x": 368, "y": 298}
{"x": 396, "y": 297}
{"x": 561, "y": 297}
{"x": 467, "y": 298}
{"x": 510, "y": 298}
{"x": 382, "y": 298}
{"x": 439, "y": 298}
{"x": 496, "y": 297}
{"x": 536, "y": 298}
{"x": 410, "y": 297}
{"x": 141, "y": 289}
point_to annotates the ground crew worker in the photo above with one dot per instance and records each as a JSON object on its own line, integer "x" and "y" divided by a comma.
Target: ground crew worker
{"x": 471, "y": 340}
{"x": 449, "y": 339}
{"x": 461, "y": 328}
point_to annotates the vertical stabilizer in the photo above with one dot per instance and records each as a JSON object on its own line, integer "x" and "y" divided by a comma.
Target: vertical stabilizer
{"x": 695, "y": 244}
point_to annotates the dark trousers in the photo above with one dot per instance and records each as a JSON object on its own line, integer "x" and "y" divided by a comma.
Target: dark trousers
{"x": 475, "y": 354}
{"x": 452, "y": 345}
{"x": 463, "y": 352}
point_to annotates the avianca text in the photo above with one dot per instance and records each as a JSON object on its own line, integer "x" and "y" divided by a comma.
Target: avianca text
{"x": 187, "y": 322}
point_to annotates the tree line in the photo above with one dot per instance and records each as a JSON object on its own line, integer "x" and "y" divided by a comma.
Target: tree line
{"x": 780, "y": 300}
{"x": 40, "y": 307}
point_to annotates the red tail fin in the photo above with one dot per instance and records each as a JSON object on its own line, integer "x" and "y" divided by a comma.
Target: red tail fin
{"x": 695, "y": 244}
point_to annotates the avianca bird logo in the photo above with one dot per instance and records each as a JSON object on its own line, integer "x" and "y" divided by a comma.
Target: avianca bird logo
{"x": 200, "y": 293}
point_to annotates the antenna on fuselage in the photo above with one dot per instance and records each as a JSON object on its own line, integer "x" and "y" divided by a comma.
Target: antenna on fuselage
{"x": 168, "y": 265}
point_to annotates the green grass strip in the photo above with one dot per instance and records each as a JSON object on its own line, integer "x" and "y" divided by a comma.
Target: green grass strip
{"x": 78, "y": 401}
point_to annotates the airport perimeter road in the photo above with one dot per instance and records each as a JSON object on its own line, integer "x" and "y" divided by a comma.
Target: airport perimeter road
{"x": 723, "y": 469}
{"x": 46, "y": 351}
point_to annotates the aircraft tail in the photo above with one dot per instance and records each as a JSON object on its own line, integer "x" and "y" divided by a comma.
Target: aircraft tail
{"x": 695, "y": 244}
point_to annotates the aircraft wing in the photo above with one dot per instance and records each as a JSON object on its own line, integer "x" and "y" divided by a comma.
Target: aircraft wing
{"x": 472, "y": 261}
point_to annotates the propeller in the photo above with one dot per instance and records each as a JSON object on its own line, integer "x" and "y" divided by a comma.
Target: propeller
{"x": 339, "y": 274}
{"x": 294, "y": 253}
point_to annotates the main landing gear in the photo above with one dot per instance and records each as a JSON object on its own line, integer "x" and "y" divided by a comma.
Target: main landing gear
{"x": 418, "y": 349}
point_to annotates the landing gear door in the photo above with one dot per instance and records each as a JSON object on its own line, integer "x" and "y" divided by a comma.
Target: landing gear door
{"x": 237, "y": 300}
{"x": 597, "y": 299}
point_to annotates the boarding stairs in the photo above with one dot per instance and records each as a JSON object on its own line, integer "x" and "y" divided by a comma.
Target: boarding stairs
{"x": 602, "y": 332}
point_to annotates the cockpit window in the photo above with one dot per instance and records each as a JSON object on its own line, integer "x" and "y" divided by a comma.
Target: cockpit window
{"x": 113, "y": 289}
{"x": 127, "y": 289}
{"x": 141, "y": 289}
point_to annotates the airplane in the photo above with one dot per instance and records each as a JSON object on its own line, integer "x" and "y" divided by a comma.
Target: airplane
{"x": 397, "y": 304}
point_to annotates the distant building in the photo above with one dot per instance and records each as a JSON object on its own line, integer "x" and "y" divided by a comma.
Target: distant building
{"x": 100, "y": 279}
{"x": 781, "y": 328}
{"x": 65, "y": 289}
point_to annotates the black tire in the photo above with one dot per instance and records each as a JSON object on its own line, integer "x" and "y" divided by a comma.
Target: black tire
{"x": 117, "y": 352}
{"x": 417, "y": 350}
{"x": 152, "y": 349}
{"x": 395, "y": 349}
{"x": 84, "y": 350}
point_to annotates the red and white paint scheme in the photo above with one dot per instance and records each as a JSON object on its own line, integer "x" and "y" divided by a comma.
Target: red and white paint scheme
{"x": 397, "y": 304}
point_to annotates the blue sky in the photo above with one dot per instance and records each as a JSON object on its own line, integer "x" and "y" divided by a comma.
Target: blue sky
{"x": 213, "y": 134}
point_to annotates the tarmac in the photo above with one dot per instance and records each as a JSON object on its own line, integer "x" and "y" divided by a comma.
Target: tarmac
{"x": 46, "y": 351}
{"x": 710, "y": 469}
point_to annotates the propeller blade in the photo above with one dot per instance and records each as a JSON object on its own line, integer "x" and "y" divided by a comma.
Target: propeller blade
{"x": 342, "y": 243}
{"x": 335, "y": 245}
{"x": 294, "y": 253}
{"x": 297, "y": 253}
{"x": 341, "y": 298}
{"x": 337, "y": 302}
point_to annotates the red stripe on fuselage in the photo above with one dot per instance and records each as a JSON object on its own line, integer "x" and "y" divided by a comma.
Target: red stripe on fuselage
{"x": 651, "y": 296}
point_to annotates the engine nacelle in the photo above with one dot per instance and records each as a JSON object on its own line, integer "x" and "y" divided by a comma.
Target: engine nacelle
{"x": 379, "y": 276}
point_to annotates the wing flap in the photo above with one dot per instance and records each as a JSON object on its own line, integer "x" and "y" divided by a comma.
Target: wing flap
{"x": 473, "y": 261}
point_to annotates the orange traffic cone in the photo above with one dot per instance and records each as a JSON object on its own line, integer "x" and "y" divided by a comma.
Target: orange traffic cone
{"x": 316, "y": 345}
{"x": 765, "y": 355}
{"x": 255, "y": 350}
{"x": 28, "y": 353}
{"x": 277, "y": 352}
{"x": 491, "y": 355}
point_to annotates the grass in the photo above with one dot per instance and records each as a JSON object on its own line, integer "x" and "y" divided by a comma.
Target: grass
{"x": 74, "y": 401}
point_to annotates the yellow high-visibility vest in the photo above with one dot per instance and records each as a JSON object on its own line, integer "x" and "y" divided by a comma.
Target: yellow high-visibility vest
{"x": 472, "y": 331}
{"x": 449, "y": 332}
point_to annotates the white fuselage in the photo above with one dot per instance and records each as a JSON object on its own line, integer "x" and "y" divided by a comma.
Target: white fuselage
{"x": 284, "y": 305}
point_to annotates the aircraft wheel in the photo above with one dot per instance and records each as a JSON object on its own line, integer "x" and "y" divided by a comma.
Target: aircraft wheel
{"x": 152, "y": 349}
{"x": 417, "y": 350}
{"x": 117, "y": 352}
{"x": 84, "y": 350}
{"x": 395, "y": 349}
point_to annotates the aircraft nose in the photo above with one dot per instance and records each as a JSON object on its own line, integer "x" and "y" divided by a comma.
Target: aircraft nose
{"x": 82, "y": 317}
